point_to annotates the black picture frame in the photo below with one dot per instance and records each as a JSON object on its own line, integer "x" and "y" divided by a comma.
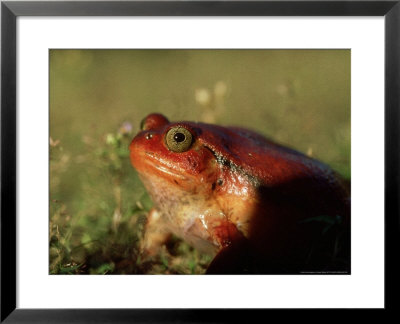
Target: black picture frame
{"x": 10, "y": 10}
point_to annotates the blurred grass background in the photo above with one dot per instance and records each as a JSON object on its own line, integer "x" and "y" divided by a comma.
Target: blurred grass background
{"x": 98, "y": 206}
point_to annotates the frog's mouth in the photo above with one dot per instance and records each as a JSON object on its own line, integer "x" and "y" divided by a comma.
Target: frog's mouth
{"x": 154, "y": 163}
{"x": 168, "y": 171}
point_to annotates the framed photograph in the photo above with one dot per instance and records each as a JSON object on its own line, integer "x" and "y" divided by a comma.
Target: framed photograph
{"x": 162, "y": 158}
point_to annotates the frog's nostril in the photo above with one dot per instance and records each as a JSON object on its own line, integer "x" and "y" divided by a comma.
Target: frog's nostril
{"x": 149, "y": 136}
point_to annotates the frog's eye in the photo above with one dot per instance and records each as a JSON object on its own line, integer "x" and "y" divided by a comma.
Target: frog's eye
{"x": 178, "y": 139}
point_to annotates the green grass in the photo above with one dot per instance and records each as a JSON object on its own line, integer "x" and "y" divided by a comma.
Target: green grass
{"x": 98, "y": 205}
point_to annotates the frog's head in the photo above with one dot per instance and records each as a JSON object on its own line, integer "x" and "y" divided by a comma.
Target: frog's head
{"x": 171, "y": 153}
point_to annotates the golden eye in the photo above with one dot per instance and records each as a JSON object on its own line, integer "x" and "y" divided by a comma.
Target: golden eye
{"x": 178, "y": 139}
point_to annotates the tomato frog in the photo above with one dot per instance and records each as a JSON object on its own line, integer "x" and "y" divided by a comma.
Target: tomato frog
{"x": 254, "y": 205}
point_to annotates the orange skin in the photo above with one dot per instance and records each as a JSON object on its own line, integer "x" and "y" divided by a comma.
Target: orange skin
{"x": 251, "y": 203}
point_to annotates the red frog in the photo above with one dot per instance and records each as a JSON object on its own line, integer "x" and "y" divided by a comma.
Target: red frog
{"x": 256, "y": 206}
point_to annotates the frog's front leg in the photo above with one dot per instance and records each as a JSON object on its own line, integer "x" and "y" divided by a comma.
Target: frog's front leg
{"x": 234, "y": 256}
{"x": 156, "y": 234}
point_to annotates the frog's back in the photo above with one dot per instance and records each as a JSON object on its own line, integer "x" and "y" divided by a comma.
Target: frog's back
{"x": 258, "y": 157}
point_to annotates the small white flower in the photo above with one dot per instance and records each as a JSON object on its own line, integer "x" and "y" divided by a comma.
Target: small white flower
{"x": 202, "y": 96}
{"x": 220, "y": 89}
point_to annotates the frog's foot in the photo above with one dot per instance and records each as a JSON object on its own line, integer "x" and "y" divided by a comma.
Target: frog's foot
{"x": 155, "y": 235}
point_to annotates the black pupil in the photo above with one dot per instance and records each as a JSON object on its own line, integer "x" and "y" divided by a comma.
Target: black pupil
{"x": 179, "y": 137}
